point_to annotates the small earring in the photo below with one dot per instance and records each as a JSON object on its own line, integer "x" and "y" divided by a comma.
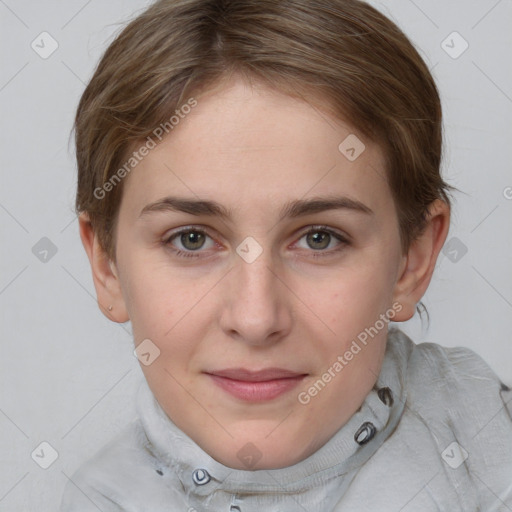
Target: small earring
{"x": 110, "y": 308}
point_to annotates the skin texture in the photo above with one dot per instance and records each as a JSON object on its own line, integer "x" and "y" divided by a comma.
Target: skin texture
{"x": 253, "y": 149}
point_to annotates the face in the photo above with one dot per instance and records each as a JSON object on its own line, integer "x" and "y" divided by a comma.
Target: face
{"x": 253, "y": 252}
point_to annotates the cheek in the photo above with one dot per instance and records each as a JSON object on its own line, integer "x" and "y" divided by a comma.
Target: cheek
{"x": 356, "y": 295}
{"x": 151, "y": 301}
{"x": 168, "y": 311}
{"x": 350, "y": 303}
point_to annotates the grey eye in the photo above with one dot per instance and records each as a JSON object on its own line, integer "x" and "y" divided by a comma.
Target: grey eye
{"x": 192, "y": 240}
{"x": 318, "y": 239}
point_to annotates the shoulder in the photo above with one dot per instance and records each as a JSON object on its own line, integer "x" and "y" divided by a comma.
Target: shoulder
{"x": 453, "y": 381}
{"x": 113, "y": 477}
{"x": 465, "y": 411}
{"x": 456, "y": 428}
{"x": 456, "y": 377}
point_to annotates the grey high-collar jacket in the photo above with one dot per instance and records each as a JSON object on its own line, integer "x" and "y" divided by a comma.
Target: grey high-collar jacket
{"x": 435, "y": 434}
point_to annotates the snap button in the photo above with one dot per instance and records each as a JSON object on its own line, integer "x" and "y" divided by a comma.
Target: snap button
{"x": 365, "y": 433}
{"x": 386, "y": 396}
{"x": 200, "y": 476}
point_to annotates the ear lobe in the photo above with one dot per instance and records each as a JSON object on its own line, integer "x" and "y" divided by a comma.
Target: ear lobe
{"x": 419, "y": 263}
{"x": 104, "y": 274}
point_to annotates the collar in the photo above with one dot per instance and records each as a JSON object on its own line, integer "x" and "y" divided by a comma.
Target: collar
{"x": 323, "y": 475}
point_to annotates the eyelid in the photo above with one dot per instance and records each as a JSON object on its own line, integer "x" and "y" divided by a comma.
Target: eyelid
{"x": 321, "y": 227}
{"x": 185, "y": 229}
{"x": 344, "y": 241}
{"x": 343, "y": 238}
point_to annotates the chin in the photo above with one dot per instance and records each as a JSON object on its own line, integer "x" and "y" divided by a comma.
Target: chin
{"x": 254, "y": 460}
{"x": 263, "y": 450}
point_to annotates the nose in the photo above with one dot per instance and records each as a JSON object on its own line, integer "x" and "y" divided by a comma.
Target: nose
{"x": 257, "y": 304}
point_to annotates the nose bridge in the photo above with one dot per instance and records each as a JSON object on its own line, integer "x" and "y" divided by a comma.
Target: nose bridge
{"x": 256, "y": 279}
{"x": 255, "y": 305}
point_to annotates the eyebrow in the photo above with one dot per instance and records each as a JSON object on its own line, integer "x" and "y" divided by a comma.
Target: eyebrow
{"x": 292, "y": 209}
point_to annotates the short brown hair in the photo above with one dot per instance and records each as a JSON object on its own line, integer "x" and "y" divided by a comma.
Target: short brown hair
{"x": 341, "y": 52}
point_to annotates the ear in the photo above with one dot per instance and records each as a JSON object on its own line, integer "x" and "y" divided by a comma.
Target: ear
{"x": 104, "y": 274}
{"x": 418, "y": 264}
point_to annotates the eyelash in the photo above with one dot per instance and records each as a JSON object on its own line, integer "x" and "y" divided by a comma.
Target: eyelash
{"x": 313, "y": 229}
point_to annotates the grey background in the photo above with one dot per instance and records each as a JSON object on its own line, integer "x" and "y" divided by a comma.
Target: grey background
{"x": 67, "y": 374}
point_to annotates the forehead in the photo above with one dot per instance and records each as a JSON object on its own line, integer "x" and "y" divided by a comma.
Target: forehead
{"x": 252, "y": 145}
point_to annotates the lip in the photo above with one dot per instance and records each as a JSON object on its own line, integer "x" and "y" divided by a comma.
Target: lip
{"x": 256, "y": 386}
